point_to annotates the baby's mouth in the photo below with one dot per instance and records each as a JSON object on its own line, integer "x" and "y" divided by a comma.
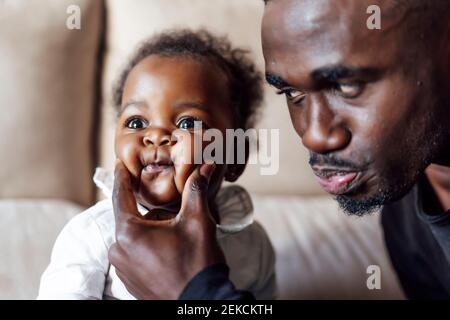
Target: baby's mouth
{"x": 157, "y": 167}
{"x": 160, "y": 163}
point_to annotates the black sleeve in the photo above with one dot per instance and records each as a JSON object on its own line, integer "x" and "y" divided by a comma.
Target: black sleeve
{"x": 212, "y": 283}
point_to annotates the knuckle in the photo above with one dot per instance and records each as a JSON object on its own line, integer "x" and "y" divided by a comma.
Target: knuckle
{"x": 196, "y": 228}
{"x": 126, "y": 233}
{"x": 123, "y": 239}
{"x": 200, "y": 183}
{"x": 114, "y": 254}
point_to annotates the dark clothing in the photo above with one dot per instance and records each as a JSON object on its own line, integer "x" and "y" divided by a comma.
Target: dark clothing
{"x": 212, "y": 283}
{"x": 419, "y": 244}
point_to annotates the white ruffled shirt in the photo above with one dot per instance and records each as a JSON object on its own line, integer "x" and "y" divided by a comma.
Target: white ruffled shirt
{"x": 79, "y": 267}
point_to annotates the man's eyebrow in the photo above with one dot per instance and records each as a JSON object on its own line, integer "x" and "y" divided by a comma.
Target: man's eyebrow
{"x": 276, "y": 81}
{"x": 330, "y": 74}
{"x": 335, "y": 73}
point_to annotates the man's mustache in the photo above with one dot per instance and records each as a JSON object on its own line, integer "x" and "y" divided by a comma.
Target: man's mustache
{"x": 332, "y": 161}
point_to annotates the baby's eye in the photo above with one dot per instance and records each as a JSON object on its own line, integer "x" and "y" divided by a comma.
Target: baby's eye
{"x": 350, "y": 90}
{"x": 186, "y": 123}
{"x": 136, "y": 123}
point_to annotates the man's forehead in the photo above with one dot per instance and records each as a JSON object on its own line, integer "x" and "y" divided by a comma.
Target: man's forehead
{"x": 308, "y": 19}
{"x": 311, "y": 34}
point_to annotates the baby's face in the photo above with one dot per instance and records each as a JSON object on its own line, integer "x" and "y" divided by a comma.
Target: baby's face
{"x": 163, "y": 96}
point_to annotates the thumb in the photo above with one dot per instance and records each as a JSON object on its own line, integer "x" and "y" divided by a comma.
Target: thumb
{"x": 195, "y": 193}
{"x": 124, "y": 201}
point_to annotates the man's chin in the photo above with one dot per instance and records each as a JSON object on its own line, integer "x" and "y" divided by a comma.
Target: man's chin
{"x": 358, "y": 203}
{"x": 360, "y": 207}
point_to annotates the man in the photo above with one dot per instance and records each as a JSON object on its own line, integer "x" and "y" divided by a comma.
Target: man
{"x": 371, "y": 106}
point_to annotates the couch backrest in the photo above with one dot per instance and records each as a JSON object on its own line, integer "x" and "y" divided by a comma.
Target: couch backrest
{"x": 47, "y": 99}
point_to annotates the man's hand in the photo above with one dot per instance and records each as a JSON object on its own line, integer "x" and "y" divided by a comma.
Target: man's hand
{"x": 156, "y": 259}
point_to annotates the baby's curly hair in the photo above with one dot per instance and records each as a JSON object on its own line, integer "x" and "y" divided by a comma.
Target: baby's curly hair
{"x": 246, "y": 90}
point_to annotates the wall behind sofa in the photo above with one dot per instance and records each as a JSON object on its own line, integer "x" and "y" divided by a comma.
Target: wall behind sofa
{"x": 131, "y": 22}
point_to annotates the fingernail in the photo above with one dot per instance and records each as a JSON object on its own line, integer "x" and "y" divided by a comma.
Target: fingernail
{"x": 209, "y": 169}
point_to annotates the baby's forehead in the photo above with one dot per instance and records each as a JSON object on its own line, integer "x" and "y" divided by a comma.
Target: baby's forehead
{"x": 190, "y": 65}
{"x": 183, "y": 75}
{"x": 179, "y": 78}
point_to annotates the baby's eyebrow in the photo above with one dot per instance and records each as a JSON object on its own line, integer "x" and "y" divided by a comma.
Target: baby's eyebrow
{"x": 132, "y": 103}
{"x": 190, "y": 104}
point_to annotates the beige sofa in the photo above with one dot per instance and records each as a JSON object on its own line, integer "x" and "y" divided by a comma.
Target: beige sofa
{"x": 56, "y": 125}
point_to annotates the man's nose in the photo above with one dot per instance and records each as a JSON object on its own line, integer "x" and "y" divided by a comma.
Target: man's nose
{"x": 324, "y": 132}
{"x": 157, "y": 137}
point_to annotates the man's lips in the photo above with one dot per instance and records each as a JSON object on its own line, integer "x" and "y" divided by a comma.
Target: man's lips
{"x": 336, "y": 181}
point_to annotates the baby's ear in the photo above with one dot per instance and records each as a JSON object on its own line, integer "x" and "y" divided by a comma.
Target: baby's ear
{"x": 234, "y": 171}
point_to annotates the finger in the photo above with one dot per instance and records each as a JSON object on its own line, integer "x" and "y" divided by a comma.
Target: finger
{"x": 195, "y": 194}
{"x": 124, "y": 201}
{"x": 132, "y": 287}
{"x": 114, "y": 255}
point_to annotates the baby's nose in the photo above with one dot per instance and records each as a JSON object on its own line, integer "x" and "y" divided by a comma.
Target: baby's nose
{"x": 157, "y": 137}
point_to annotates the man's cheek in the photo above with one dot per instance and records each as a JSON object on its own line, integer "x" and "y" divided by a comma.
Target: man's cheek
{"x": 298, "y": 121}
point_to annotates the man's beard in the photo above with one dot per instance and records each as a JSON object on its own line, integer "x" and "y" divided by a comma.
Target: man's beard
{"x": 389, "y": 189}
{"x": 393, "y": 184}
{"x": 356, "y": 207}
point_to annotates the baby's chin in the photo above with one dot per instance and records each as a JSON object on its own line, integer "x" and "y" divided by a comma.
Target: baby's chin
{"x": 161, "y": 190}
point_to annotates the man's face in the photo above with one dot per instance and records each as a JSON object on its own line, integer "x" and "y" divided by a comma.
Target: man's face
{"x": 364, "y": 102}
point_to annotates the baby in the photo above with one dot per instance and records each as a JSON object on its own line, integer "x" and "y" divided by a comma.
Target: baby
{"x": 174, "y": 82}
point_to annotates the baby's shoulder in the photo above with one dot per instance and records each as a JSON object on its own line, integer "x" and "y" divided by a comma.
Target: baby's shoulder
{"x": 100, "y": 212}
{"x": 96, "y": 219}
{"x": 253, "y": 234}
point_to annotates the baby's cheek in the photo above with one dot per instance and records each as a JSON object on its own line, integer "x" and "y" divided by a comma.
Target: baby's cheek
{"x": 127, "y": 151}
{"x": 182, "y": 174}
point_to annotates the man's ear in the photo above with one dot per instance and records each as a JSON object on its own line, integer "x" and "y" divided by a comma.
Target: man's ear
{"x": 235, "y": 170}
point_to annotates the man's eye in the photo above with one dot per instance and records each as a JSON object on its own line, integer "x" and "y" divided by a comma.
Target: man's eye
{"x": 292, "y": 94}
{"x": 136, "y": 123}
{"x": 349, "y": 90}
{"x": 187, "y": 123}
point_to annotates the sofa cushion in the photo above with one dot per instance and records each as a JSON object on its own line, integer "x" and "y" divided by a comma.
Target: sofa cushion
{"x": 321, "y": 253}
{"x": 47, "y": 96}
{"x": 28, "y": 229}
{"x": 129, "y": 24}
